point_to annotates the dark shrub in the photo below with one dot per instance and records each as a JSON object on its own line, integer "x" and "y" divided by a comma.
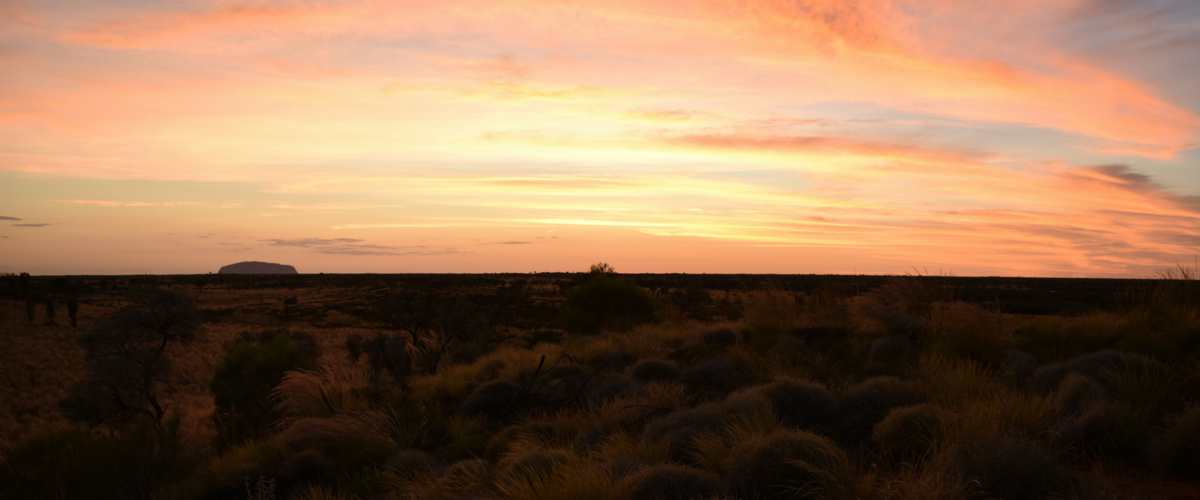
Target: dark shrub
{"x": 308, "y": 466}
{"x": 1105, "y": 429}
{"x": 785, "y": 465}
{"x": 1018, "y": 365}
{"x": 823, "y": 338}
{"x": 865, "y": 404}
{"x": 1092, "y": 365}
{"x": 613, "y": 389}
{"x": 607, "y": 303}
{"x": 892, "y": 355}
{"x": 679, "y": 428}
{"x": 386, "y": 352}
{"x": 616, "y": 359}
{"x": 908, "y": 434}
{"x": 650, "y": 370}
{"x": 1077, "y": 392}
{"x": 135, "y": 463}
{"x": 412, "y": 462}
{"x": 799, "y": 404}
{"x": 491, "y": 399}
{"x": 715, "y": 375}
{"x": 1178, "y": 449}
{"x": 719, "y": 337}
{"x": 248, "y": 373}
{"x": 669, "y": 482}
{"x": 498, "y": 444}
{"x": 128, "y": 370}
{"x": 1010, "y": 467}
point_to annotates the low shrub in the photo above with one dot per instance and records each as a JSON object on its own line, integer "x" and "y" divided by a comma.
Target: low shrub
{"x": 865, "y": 404}
{"x": 1177, "y": 450}
{"x": 351, "y": 440}
{"x": 244, "y": 379}
{"x": 909, "y": 434}
{"x": 135, "y": 462}
{"x": 1018, "y": 366}
{"x": 1092, "y": 365}
{"x": 788, "y": 464}
{"x": 650, "y": 370}
{"x": 714, "y": 375}
{"x": 891, "y": 356}
{"x": 681, "y": 427}
{"x": 1009, "y": 466}
{"x": 669, "y": 482}
{"x": 414, "y": 462}
{"x": 606, "y": 303}
{"x": 1078, "y": 392}
{"x": 798, "y": 403}
{"x": 1105, "y": 429}
{"x": 307, "y": 466}
{"x": 718, "y": 338}
{"x": 492, "y": 399}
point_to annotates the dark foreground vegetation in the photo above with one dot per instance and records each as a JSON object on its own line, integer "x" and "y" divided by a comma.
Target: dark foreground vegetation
{"x": 600, "y": 386}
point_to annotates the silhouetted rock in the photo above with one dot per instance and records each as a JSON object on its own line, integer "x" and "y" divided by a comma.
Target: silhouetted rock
{"x": 257, "y": 268}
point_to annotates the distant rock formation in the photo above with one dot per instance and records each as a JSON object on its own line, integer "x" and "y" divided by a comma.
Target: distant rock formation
{"x": 257, "y": 268}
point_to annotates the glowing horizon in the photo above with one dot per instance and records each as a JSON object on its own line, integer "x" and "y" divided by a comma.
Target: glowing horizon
{"x": 1047, "y": 138}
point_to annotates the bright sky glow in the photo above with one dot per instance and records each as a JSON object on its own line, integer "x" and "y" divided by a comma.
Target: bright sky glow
{"x": 1016, "y": 137}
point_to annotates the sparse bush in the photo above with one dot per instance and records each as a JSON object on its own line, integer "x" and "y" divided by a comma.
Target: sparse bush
{"x": 651, "y": 370}
{"x": 128, "y": 368}
{"x": 788, "y": 465}
{"x": 386, "y": 352}
{"x": 909, "y": 434}
{"x": 669, "y": 482}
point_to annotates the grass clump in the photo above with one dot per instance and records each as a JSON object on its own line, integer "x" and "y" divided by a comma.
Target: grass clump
{"x": 799, "y": 404}
{"x": 1009, "y": 466}
{"x": 1178, "y": 448}
{"x": 909, "y": 434}
{"x": 652, "y": 370}
{"x": 669, "y": 482}
{"x": 788, "y": 464}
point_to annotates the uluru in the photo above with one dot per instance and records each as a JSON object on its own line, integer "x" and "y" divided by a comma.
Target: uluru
{"x": 257, "y": 268}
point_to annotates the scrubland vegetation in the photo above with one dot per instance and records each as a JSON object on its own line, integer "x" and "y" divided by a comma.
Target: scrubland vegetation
{"x": 897, "y": 391}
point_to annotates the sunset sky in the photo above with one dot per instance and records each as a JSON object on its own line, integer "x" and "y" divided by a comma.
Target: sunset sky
{"x": 1015, "y": 137}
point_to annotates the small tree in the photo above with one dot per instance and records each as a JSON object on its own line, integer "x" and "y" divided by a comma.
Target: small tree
{"x": 605, "y": 302}
{"x": 127, "y": 364}
{"x": 248, "y": 373}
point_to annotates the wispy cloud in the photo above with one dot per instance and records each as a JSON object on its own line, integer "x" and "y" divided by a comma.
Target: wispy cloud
{"x": 32, "y": 225}
{"x": 4, "y": 217}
